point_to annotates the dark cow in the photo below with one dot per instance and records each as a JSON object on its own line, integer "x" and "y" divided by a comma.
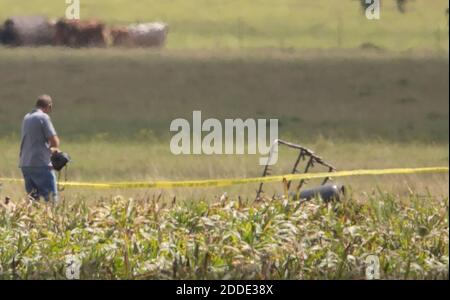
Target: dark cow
{"x": 27, "y": 31}
{"x": 76, "y": 34}
{"x": 401, "y": 5}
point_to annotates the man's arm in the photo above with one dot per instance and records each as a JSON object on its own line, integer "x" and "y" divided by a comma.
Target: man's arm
{"x": 50, "y": 134}
{"x": 54, "y": 143}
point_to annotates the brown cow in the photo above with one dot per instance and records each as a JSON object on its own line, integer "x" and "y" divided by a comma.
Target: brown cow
{"x": 76, "y": 34}
{"x": 121, "y": 37}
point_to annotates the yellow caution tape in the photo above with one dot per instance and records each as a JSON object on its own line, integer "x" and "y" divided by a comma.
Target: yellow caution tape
{"x": 228, "y": 182}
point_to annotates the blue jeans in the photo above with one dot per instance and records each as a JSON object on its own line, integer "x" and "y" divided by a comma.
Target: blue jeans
{"x": 40, "y": 182}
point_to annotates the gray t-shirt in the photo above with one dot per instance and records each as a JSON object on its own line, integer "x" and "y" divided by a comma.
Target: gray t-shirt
{"x": 37, "y": 128}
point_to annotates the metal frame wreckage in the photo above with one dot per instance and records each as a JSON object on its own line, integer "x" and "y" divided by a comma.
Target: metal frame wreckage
{"x": 325, "y": 191}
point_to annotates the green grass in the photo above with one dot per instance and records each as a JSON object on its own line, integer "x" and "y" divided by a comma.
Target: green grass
{"x": 113, "y": 111}
{"x": 342, "y": 95}
{"x": 127, "y": 161}
{"x": 264, "y": 24}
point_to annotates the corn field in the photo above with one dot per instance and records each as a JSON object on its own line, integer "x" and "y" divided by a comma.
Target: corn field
{"x": 228, "y": 239}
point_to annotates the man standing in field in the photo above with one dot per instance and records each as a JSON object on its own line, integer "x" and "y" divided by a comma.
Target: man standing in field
{"x": 39, "y": 141}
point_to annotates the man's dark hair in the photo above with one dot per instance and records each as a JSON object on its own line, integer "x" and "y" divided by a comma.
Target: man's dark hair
{"x": 43, "y": 101}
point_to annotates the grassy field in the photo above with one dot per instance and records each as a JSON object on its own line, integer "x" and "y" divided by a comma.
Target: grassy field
{"x": 358, "y": 109}
{"x": 299, "y": 61}
{"x": 260, "y": 23}
{"x": 113, "y": 109}
{"x": 120, "y": 161}
{"x": 349, "y": 95}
